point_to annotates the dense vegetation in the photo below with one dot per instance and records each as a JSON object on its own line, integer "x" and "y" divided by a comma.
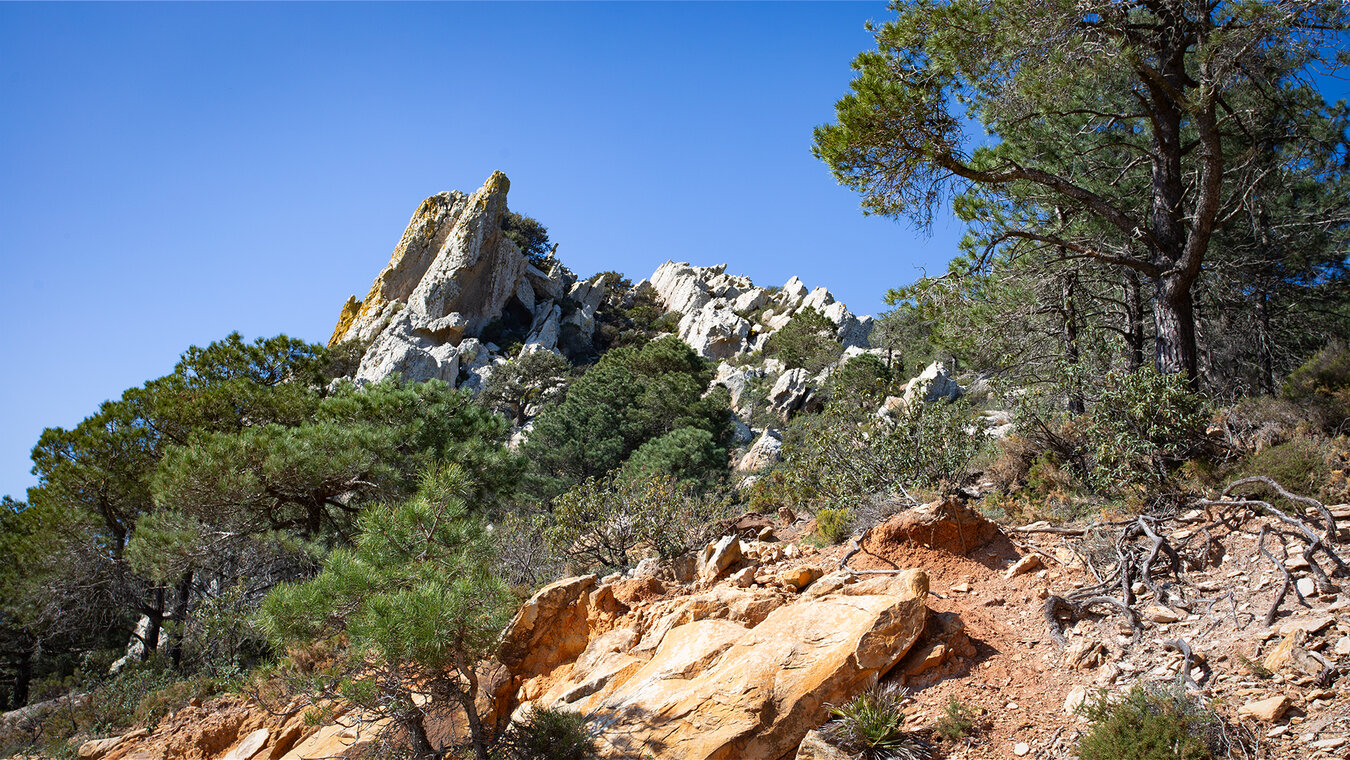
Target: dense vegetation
{"x": 1161, "y": 182}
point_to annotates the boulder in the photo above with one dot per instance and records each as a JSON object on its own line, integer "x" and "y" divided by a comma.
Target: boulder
{"x": 789, "y": 392}
{"x": 717, "y": 557}
{"x": 814, "y": 747}
{"x": 545, "y": 329}
{"x": 549, "y": 629}
{"x": 817, "y": 299}
{"x": 248, "y": 746}
{"x": 791, "y": 294}
{"x": 408, "y": 347}
{"x": 766, "y": 451}
{"x": 1268, "y": 710}
{"x": 750, "y": 300}
{"x": 717, "y": 689}
{"x": 947, "y": 525}
{"x": 681, "y": 287}
{"x": 934, "y": 384}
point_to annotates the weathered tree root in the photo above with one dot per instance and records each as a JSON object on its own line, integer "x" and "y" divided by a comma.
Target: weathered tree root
{"x": 1180, "y": 645}
{"x": 1078, "y": 609}
{"x": 1137, "y": 563}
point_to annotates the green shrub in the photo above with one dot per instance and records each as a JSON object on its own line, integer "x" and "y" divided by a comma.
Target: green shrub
{"x": 806, "y": 341}
{"x": 631, "y": 396}
{"x": 528, "y": 235}
{"x": 1322, "y": 386}
{"x": 1151, "y": 725}
{"x": 1143, "y": 424}
{"x": 688, "y": 454}
{"x": 610, "y": 522}
{"x": 869, "y": 727}
{"x": 833, "y": 526}
{"x": 1299, "y": 464}
{"x": 843, "y": 457}
{"x": 545, "y": 734}
{"x": 957, "y": 721}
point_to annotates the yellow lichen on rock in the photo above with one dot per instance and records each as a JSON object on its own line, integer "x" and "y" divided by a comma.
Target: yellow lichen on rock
{"x": 345, "y": 319}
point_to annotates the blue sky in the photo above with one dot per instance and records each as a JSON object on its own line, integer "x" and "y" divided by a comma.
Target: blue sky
{"x": 175, "y": 172}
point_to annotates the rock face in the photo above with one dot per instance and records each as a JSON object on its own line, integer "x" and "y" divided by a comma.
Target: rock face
{"x": 766, "y": 450}
{"x": 934, "y": 384}
{"x": 452, "y": 273}
{"x": 739, "y": 673}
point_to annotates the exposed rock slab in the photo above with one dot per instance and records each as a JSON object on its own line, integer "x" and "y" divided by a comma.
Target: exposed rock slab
{"x": 716, "y": 690}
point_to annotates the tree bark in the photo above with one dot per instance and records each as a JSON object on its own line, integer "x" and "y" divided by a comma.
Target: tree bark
{"x": 180, "y": 613}
{"x": 155, "y": 618}
{"x": 1134, "y": 321}
{"x": 1174, "y": 324}
{"x": 1069, "y": 311}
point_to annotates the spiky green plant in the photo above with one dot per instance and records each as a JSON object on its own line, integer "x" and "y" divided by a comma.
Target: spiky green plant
{"x": 869, "y": 727}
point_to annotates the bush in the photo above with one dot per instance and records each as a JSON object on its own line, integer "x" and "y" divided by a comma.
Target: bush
{"x": 862, "y": 383}
{"x": 1151, "y": 725}
{"x": 528, "y": 234}
{"x": 546, "y": 734}
{"x": 1299, "y": 465}
{"x": 843, "y": 457}
{"x": 689, "y": 454}
{"x": 416, "y": 602}
{"x": 631, "y": 396}
{"x": 833, "y": 525}
{"x": 806, "y": 341}
{"x": 609, "y": 522}
{"x": 1142, "y": 426}
{"x": 957, "y": 720}
{"x": 1322, "y": 386}
{"x": 869, "y": 727}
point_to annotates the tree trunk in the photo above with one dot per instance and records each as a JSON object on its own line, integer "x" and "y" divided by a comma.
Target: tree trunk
{"x": 23, "y": 677}
{"x": 1071, "y": 356}
{"x": 155, "y": 623}
{"x": 1174, "y": 323}
{"x": 1134, "y": 321}
{"x": 468, "y": 699}
{"x": 180, "y": 613}
{"x": 1264, "y": 342}
{"x": 417, "y": 737}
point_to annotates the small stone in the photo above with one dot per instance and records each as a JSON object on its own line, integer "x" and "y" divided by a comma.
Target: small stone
{"x": 800, "y": 577}
{"x": 1342, "y": 647}
{"x": 1332, "y": 743}
{"x": 1077, "y": 697}
{"x": 1306, "y": 625}
{"x": 1160, "y": 614}
{"x": 1268, "y": 710}
{"x": 249, "y": 746}
{"x": 1021, "y": 749}
{"x": 1026, "y": 564}
{"x": 1306, "y": 586}
{"x": 743, "y": 578}
{"x": 960, "y": 588}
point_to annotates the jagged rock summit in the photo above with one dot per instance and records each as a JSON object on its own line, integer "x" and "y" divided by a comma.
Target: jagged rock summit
{"x": 456, "y": 282}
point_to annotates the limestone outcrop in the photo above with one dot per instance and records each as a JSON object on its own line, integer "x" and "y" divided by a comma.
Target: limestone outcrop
{"x": 455, "y": 275}
{"x": 452, "y": 274}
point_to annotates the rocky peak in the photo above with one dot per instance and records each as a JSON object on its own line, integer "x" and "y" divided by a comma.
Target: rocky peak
{"x": 456, "y": 286}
